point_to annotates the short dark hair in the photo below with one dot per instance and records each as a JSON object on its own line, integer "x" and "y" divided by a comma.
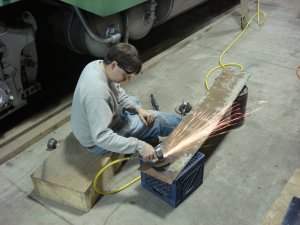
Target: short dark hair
{"x": 126, "y": 55}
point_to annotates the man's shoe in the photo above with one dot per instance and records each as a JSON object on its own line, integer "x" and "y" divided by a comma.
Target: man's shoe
{"x": 153, "y": 142}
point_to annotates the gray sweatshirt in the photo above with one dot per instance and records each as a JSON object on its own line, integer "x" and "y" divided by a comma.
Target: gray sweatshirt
{"x": 96, "y": 108}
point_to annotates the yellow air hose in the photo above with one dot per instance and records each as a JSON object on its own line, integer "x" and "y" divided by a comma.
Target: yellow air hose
{"x": 107, "y": 166}
{"x": 221, "y": 64}
{"x": 206, "y": 85}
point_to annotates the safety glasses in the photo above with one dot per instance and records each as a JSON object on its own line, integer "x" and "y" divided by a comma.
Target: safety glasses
{"x": 126, "y": 71}
{"x": 121, "y": 67}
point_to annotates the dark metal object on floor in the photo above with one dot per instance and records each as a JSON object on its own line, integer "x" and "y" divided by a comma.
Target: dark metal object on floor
{"x": 52, "y": 143}
{"x": 154, "y": 104}
{"x": 185, "y": 107}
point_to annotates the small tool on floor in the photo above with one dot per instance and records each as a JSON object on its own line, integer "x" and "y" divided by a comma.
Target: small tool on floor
{"x": 184, "y": 108}
{"x": 52, "y": 143}
{"x": 154, "y": 103}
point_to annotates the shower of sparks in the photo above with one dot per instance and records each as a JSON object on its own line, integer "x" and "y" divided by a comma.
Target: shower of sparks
{"x": 203, "y": 125}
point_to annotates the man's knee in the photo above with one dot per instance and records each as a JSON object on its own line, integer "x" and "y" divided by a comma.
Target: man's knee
{"x": 166, "y": 122}
{"x": 168, "y": 119}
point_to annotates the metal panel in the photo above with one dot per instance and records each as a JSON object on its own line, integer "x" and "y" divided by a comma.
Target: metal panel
{"x": 104, "y": 7}
{"x": 191, "y": 133}
{"x": 6, "y": 2}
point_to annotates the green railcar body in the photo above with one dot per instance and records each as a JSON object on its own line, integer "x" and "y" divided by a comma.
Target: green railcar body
{"x": 6, "y": 2}
{"x": 99, "y": 7}
{"x": 104, "y": 7}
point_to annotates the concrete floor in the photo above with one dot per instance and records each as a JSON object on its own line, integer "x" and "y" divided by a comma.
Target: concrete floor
{"x": 243, "y": 175}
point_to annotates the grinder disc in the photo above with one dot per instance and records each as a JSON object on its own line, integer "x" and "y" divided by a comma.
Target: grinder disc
{"x": 161, "y": 165}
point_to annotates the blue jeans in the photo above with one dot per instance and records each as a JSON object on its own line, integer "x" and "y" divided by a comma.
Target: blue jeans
{"x": 130, "y": 125}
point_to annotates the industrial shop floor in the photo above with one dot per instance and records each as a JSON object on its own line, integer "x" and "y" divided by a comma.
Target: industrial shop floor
{"x": 246, "y": 172}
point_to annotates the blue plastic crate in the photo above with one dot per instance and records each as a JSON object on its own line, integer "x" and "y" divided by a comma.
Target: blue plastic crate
{"x": 187, "y": 181}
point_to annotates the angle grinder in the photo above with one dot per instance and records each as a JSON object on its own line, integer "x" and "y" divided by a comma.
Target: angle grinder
{"x": 161, "y": 161}
{"x": 159, "y": 152}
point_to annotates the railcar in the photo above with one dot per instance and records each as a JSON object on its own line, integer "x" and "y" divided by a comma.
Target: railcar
{"x": 83, "y": 26}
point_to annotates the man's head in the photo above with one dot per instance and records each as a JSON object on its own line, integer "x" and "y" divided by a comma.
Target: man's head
{"x": 121, "y": 61}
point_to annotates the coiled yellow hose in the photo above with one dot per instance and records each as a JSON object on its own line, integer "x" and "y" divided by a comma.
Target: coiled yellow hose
{"x": 107, "y": 166}
{"x": 221, "y": 64}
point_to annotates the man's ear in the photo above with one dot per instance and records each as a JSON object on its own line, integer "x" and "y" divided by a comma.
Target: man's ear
{"x": 114, "y": 64}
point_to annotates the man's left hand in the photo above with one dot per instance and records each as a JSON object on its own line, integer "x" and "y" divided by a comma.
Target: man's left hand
{"x": 146, "y": 116}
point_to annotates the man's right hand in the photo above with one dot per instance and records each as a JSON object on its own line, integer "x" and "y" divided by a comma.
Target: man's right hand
{"x": 148, "y": 153}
